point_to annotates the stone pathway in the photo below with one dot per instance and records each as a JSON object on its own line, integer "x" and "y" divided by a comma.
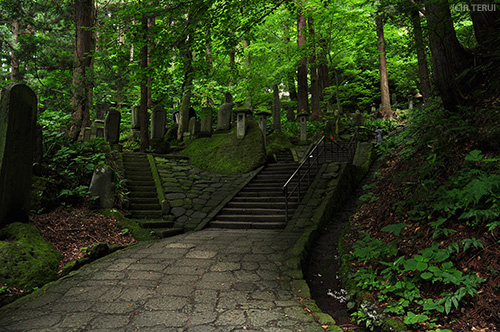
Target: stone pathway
{"x": 212, "y": 280}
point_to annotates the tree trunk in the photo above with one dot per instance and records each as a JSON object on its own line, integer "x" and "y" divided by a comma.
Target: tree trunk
{"x": 81, "y": 100}
{"x": 14, "y": 61}
{"x": 384, "y": 80}
{"x": 449, "y": 58}
{"x": 425, "y": 83}
{"x": 186, "y": 94}
{"x": 276, "y": 109}
{"x": 302, "y": 90}
{"x": 248, "y": 61}
{"x": 315, "y": 106}
{"x": 485, "y": 17}
{"x": 323, "y": 74}
{"x": 143, "y": 107}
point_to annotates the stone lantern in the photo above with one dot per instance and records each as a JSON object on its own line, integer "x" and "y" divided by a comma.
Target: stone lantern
{"x": 263, "y": 122}
{"x": 302, "y": 117}
{"x": 241, "y": 119}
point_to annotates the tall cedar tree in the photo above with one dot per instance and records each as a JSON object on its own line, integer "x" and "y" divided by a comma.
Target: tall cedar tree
{"x": 315, "y": 106}
{"x": 449, "y": 57}
{"x": 384, "y": 79}
{"x": 143, "y": 108}
{"x": 423, "y": 71}
{"x": 302, "y": 90}
{"x": 84, "y": 46}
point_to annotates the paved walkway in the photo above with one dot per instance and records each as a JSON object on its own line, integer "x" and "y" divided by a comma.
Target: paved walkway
{"x": 212, "y": 280}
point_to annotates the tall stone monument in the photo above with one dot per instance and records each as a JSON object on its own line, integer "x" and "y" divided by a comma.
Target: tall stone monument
{"x": 112, "y": 126}
{"x": 225, "y": 113}
{"x": 158, "y": 121}
{"x": 18, "y": 112}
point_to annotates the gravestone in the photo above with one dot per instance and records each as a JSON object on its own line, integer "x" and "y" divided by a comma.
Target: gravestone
{"x": 18, "y": 111}
{"x": 158, "y": 120}
{"x": 99, "y": 128}
{"x": 206, "y": 127}
{"x": 102, "y": 186}
{"x": 263, "y": 123}
{"x": 378, "y": 136}
{"x": 358, "y": 119}
{"x": 87, "y": 131}
{"x": 225, "y": 113}
{"x": 112, "y": 126}
{"x": 194, "y": 127}
{"x": 135, "y": 117}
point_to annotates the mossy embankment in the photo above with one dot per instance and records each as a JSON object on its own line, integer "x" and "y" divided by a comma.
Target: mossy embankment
{"x": 27, "y": 260}
{"x": 224, "y": 153}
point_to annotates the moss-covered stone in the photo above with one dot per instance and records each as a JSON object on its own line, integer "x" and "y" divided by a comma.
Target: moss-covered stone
{"x": 26, "y": 259}
{"x": 226, "y": 154}
{"x": 138, "y": 233}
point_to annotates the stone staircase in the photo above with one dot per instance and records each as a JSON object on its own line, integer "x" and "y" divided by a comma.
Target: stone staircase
{"x": 144, "y": 205}
{"x": 261, "y": 203}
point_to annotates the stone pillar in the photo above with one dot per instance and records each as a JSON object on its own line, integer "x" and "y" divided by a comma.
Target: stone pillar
{"x": 358, "y": 119}
{"x": 302, "y": 117}
{"x": 263, "y": 122}
{"x": 410, "y": 104}
{"x": 241, "y": 121}
{"x": 206, "y": 128}
{"x": 112, "y": 126}
{"x": 87, "y": 133}
{"x": 158, "y": 120}
{"x": 99, "y": 128}
{"x": 18, "y": 112}
{"x": 194, "y": 127}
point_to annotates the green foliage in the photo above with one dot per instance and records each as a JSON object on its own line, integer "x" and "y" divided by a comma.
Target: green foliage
{"x": 399, "y": 282}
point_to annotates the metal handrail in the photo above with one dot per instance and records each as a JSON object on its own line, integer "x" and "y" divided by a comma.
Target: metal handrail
{"x": 310, "y": 164}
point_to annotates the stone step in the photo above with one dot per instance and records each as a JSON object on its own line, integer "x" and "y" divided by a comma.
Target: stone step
{"x": 153, "y": 198}
{"x": 145, "y": 206}
{"x": 156, "y": 223}
{"x": 251, "y": 217}
{"x": 143, "y": 195}
{"x": 162, "y": 233}
{"x": 137, "y": 169}
{"x": 253, "y": 188}
{"x": 247, "y": 224}
{"x": 259, "y": 204}
{"x": 251, "y": 211}
{"x": 139, "y": 177}
{"x": 252, "y": 193}
{"x": 142, "y": 188}
{"x": 141, "y": 183}
{"x": 145, "y": 214}
{"x": 257, "y": 199}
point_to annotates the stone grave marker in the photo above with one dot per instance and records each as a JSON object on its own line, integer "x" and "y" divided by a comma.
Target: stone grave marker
{"x": 135, "y": 117}
{"x": 302, "y": 117}
{"x": 112, "y": 126}
{"x": 225, "y": 113}
{"x": 87, "y": 133}
{"x": 158, "y": 121}
{"x": 18, "y": 112}
{"x": 358, "y": 119}
{"x": 206, "y": 127}
{"x": 194, "y": 127}
{"x": 241, "y": 121}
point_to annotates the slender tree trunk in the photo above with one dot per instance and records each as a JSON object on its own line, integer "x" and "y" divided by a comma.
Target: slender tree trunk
{"x": 302, "y": 90}
{"x": 425, "y": 83}
{"x": 186, "y": 93}
{"x": 315, "y": 106}
{"x": 248, "y": 62}
{"x": 323, "y": 73}
{"x": 449, "y": 58}
{"x": 143, "y": 107}
{"x": 384, "y": 79}
{"x": 14, "y": 61}
{"x": 84, "y": 44}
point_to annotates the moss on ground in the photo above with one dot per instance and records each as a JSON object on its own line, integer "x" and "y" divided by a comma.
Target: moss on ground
{"x": 277, "y": 142}
{"x": 226, "y": 154}
{"x": 139, "y": 233}
{"x": 27, "y": 260}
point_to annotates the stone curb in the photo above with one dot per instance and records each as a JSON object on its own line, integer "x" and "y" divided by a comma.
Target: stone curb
{"x": 347, "y": 174}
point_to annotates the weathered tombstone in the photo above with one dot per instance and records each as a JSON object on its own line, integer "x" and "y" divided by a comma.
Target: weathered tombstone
{"x": 302, "y": 117}
{"x": 374, "y": 109}
{"x": 225, "y": 113}
{"x": 206, "y": 127}
{"x": 158, "y": 120}
{"x": 99, "y": 128}
{"x": 194, "y": 127}
{"x": 358, "y": 119}
{"x": 241, "y": 121}
{"x": 18, "y": 111}
{"x": 410, "y": 104}
{"x": 112, "y": 126}
{"x": 263, "y": 122}
{"x": 135, "y": 117}
{"x": 103, "y": 187}
{"x": 87, "y": 134}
